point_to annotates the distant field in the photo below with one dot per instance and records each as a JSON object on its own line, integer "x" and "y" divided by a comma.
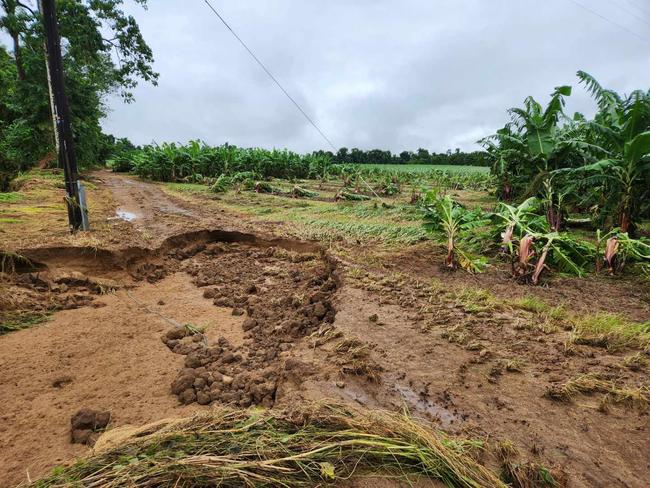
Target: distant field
{"x": 421, "y": 168}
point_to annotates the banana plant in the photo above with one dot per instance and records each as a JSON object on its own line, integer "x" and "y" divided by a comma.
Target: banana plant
{"x": 619, "y": 249}
{"x": 525, "y": 234}
{"x": 442, "y": 213}
{"x": 620, "y": 136}
{"x": 529, "y": 146}
{"x": 553, "y": 201}
{"x": 623, "y": 178}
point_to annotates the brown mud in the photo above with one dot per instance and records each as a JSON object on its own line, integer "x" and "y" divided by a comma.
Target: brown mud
{"x": 172, "y": 317}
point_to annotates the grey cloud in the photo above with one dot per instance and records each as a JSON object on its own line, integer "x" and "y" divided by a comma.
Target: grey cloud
{"x": 388, "y": 74}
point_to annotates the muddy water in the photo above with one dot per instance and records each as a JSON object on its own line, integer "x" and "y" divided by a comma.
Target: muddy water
{"x": 124, "y": 215}
{"x": 426, "y": 406}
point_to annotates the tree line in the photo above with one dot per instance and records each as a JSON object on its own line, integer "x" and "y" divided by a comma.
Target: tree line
{"x": 421, "y": 156}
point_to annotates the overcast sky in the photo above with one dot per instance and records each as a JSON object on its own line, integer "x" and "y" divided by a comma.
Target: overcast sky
{"x": 384, "y": 74}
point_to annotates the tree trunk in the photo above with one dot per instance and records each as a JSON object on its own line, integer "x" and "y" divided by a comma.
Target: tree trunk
{"x": 10, "y": 10}
{"x": 18, "y": 56}
{"x": 450, "y": 261}
{"x": 626, "y": 208}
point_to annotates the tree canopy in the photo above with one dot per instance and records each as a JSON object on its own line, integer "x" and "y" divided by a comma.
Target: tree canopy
{"x": 104, "y": 53}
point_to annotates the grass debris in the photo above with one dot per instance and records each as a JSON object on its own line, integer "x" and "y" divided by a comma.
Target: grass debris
{"x": 635, "y": 362}
{"x": 589, "y": 383}
{"x": 475, "y": 300}
{"x": 519, "y": 474}
{"x": 17, "y": 320}
{"x": 314, "y": 445}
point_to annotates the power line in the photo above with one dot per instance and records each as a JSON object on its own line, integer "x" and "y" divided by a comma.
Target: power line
{"x": 638, "y": 6}
{"x": 271, "y": 75}
{"x": 633, "y": 14}
{"x": 606, "y": 19}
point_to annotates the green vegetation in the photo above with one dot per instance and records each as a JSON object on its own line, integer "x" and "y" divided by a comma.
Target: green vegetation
{"x": 92, "y": 32}
{"x": 419, "y": 157}
{"x": 460, "y": 178}
{"x": 197, "y": 161}
{"x": 540, "y": 308}
{"x": 425, "y": 168}
{"x": 526, "y": 239}
{"x": 600, "y": 167}
{"x": 444, "y": 214}
{"x": 11, "y": 322}
{"x": 10, "y": 197}
{"x": 610, "y": 331}
{"x": 223, "y": 167}
{"x": 319, "y": 444}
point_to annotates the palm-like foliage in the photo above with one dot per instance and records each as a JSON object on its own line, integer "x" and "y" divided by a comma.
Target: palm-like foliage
{"x": 539, "y": 126}
{"x": 621, "y": 132}
{"x": 531, "y": 144}
{"x": 442, "y": 213}
{"x": 601, "y": 164}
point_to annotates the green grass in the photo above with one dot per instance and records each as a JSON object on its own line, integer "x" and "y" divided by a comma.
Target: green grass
{"x": 539, "y": 307}
{"x": 610, "y": 331}
{"x": 476, "y": 300}
{"x": 10, "y": 197}
{"x": 9, "y": 220}
{"x": 423, "y": 168}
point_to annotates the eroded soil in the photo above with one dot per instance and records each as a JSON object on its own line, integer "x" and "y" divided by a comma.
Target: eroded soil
{"x": 186, "y": 305}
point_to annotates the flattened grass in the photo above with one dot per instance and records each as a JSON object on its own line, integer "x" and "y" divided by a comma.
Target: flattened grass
{"x": 324, "y": 220}
{"x": 423, "y": 168}
{"x": 314, "y": 446}
{"x": 589, "y": 383}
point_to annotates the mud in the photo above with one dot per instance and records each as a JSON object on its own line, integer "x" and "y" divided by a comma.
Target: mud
{"x": 283, "y": 297}
{"x": 264, "y": 297}
{"x": 87, "y": 424}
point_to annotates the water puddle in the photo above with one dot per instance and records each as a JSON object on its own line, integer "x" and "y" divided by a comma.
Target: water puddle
{"x": 422, "y": 404}
{"x": 124, "y": 215}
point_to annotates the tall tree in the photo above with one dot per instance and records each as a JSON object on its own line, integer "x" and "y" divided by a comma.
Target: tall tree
{"x": 104, "y": 52}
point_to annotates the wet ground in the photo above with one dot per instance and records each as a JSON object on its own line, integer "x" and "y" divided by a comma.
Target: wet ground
{"x": 183, "y": 305}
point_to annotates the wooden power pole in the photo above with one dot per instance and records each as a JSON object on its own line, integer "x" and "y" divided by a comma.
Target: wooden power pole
{"x": 62, "y": 126}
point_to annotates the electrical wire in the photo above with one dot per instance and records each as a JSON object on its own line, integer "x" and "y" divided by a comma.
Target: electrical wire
{"x": 266, "y": 70}
{"x": 606, "y": 19}
{"x": 633, "y": 14}
{"x": 638, "y": 6}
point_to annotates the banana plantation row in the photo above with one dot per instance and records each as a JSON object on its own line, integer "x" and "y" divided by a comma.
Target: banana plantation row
{"x": 550, "y": 172}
